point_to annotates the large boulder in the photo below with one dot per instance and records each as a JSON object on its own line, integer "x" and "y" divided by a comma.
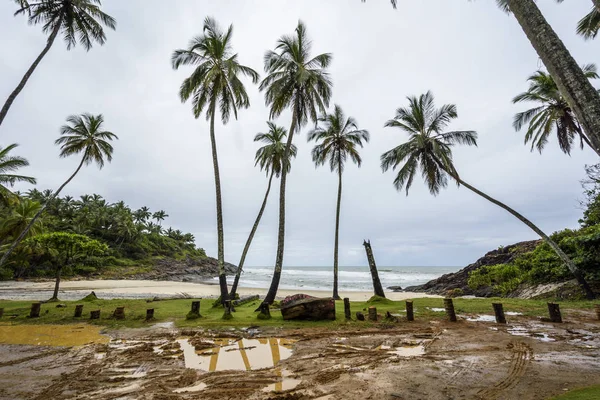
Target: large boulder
{"x": 305, "y": 307}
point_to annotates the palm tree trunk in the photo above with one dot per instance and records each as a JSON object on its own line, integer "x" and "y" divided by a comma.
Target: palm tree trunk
{"x": 30, "y": 71}
{"x": 572, "y": 267}
{"x": 220, "y": 240}
{"x": 596, "y": 4}
{"x": 577, "y": 89}
{"x": 281, "y": 233}
{"x": 36, "y": 216}
{"x": 56, "y": 284}
{"x": 336, "y": 295}
{"x": 249, "y": 241}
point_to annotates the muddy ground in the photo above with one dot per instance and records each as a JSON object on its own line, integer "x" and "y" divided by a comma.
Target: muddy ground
{"x": 525, "y": 359}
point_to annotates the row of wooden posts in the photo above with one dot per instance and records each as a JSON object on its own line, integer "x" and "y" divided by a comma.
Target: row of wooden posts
{"x": 119, "y": 313}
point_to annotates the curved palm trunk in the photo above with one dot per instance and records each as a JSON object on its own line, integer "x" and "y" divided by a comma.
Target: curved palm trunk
{"x": 336, "y": 295}
{"x": 56, "y": 284}
{"x": 30, "y": 71}
{"x": 36, "y": 216}
{"x": 249, "y": 241}
{"x": 221, "y": 247}
{"x": 577, "y": 89}
{"x": 572, "y": 267}
{"x": 281, "y": 233}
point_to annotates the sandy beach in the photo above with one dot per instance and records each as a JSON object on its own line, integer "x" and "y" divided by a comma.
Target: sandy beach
{"x": 73, "y": 290}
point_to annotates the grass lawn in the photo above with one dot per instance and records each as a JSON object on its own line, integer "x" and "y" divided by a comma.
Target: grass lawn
{"x": 590, "y": 393}
{"x": 17, "y": 312}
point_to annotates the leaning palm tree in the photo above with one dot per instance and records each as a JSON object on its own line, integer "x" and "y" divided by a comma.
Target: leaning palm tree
{"x": 430, "y": 150}
{"x": 215, "y": 82}
{"x": 552, "y": 114}
{"x": 8, "y": 165}
{"x": 298, "y": 81}
{"x": 270, "y": 159}
{"x": 18, "y": 218}
{"x": 77, "y": 20}
{"x": 82, "y": 134}
{"x": 590, "y": 24}
{"x": 339, "y": 140}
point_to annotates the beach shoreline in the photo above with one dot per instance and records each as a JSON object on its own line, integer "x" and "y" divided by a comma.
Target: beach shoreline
{"x": 76, "y": 289}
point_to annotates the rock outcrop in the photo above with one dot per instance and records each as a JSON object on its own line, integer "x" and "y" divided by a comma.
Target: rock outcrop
{"x": 457, "y": 282}
{"x": 188, "y": 270}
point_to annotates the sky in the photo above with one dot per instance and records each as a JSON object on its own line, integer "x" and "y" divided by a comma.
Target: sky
{"x": 467, "y": 53}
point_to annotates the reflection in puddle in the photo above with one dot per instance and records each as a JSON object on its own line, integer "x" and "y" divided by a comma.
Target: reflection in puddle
{"x": 234, "y": 354}
{"x": 409, "y": 351}
{"x": 522, "y": 331}
{"x": 52, "y": 335}
{"x": 285, "y": 384}
{"x": 196, "y": 388}
{"x": 482, "y": 318}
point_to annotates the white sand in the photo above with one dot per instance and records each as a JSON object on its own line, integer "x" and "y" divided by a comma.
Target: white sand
{"x": 144, "y": 289}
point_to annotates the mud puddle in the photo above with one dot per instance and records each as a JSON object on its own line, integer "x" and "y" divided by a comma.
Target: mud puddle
{"x": 235, "y": 354}
{"x": 52, "y": 335}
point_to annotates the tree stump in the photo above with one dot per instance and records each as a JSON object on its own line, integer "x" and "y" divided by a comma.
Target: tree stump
{"x": 597, "y": 308}
{"x": 78, "y": 311}
{"x": 554, "y": 311}
{"x": 360, "y": 316}
{"x": 347, "y": 311}
{"x": 264, "y": 312}
{"x": 1, "y": 312}
{"x": 35, "y": 310}
{"x": 410, "y": 315}
{"x": 449, "y": 306}
{"x": 377, "y": 288}
{"x": 95, "y": 314}
{"x": 195, "y": 311}
{"x": 372, "y": 314}
{"x": 150, "y": 314}
{"x": 119, "y": 313}
{"x": 499, "y": 312}
{"x": 227, "y": 310}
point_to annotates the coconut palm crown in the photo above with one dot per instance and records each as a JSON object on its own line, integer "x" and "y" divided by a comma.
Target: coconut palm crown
{"x": 270, "y": 157}
{"x": 429, "y": 148}
{"x": 8, "y": 165}
{"x": 553, "y": 113}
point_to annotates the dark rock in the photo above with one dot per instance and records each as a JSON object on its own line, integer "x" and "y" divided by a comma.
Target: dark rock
{"x": 307, "y": 308}
{"x": 395, "y": 288}
{"x": 192, "y": 269}
{"x": 458, "y": 280}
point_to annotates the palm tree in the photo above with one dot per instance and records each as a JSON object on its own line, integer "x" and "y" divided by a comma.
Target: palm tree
{"x": 159, "y": 216}
{"x": 78, "y": 21}
{"x": 430, "y": 150}
{"x": 270, "y": 158}
{"x": 82, "y": 134}
{"x": 553, "y": 113}
{"x": 339, "y": 139}
{"x": 8, "y": 165}
{"x": 141, "y": 215}
{"x": 297, "y": 81}
{"x": 589, "y": 25}
{"x": 214, "y": 83}
{"x": 18, "y": 219}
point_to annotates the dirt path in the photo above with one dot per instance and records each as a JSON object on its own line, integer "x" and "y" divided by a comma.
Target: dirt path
{"x": 425, "y": 360}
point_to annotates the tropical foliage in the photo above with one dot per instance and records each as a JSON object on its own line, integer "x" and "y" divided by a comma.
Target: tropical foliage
{"x": 9, "y": 164}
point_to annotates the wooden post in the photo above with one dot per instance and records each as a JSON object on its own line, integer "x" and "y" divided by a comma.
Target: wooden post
{"x": 35, "y": 310}
{"x": 372, "y": 314}
{"x": 78, "y": 311}
{"x": 1, "y": 312}
{"x": 449, "y": 306}
{"x": 597, "y": 308}
{"x": 377, "y": 288}
{"x": 499, "y": 311}
{"x": 150, "y": 314}
{"x": 119, "y": 313}
{"x": 554, "y": 311}
{"x": 227, "y": 312}
{"x": 195, "y": 307}
{"x": 95, "y": 314}
{"x": 360, "y": 316}
{"x": 347, "y": 308}
{"x": 410, "y": 315}
{"x": 264, "y": 311}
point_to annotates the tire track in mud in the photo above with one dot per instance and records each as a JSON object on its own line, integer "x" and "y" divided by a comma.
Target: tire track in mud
{"x": 522, "y": 354}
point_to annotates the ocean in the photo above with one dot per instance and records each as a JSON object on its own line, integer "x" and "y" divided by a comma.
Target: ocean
{"x": 350, "y": 278}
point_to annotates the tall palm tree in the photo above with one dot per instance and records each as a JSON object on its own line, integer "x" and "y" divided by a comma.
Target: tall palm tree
{"x": 552, "y": 113}
{"x": 430, "y": 150}
{"x": 77, "y": 20}
{"x": 339, "y": 140}
{"x": 8, "y": 165}
{"x": 82, "y": 134}
{"x": 269, "y": 158}
{"x": 159, "y": 216}
{"x": 215, "y": 82}
{"x": 298, "y": 81}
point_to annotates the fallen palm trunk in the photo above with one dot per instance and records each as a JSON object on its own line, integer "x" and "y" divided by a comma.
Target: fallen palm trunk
{"x": 309, "y": 308}
{"x": 245, "y": 300}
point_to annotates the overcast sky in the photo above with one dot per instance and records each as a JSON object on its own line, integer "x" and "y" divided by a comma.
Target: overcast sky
{"x": 468, "y": 53}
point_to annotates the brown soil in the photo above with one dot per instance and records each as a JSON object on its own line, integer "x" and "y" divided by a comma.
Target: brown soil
{"x": 464, "y": 360}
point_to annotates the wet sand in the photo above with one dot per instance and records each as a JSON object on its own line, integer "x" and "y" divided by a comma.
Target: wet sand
{"x": 138, "y": 289}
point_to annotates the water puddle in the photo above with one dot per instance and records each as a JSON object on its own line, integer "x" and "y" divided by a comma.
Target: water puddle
{"x": 52, "y": 335}
{"x": 409, "y": 351}
{"x": 482, "y": 318}
{"x": 236, "y": 354}
{"x": 513, "y": 313}
{"x": 522, "y": 331}
{"x": 434, "y": 309}
{"x": 192, "y": 389}
{"x": 282, "y": 386}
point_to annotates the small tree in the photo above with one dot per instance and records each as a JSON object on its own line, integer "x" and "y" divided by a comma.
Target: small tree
{"x": 61, "y": 249}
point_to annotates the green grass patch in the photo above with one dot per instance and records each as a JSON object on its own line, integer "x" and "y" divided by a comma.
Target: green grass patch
{"x": 589, "y": 393}
{"x": 245, "y": 315}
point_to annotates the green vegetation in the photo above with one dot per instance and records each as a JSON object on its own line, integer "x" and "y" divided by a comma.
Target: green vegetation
{"x": 589, "y": 393}
{"x": 339, "y": 139}
{"x": 245, "y": 315}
